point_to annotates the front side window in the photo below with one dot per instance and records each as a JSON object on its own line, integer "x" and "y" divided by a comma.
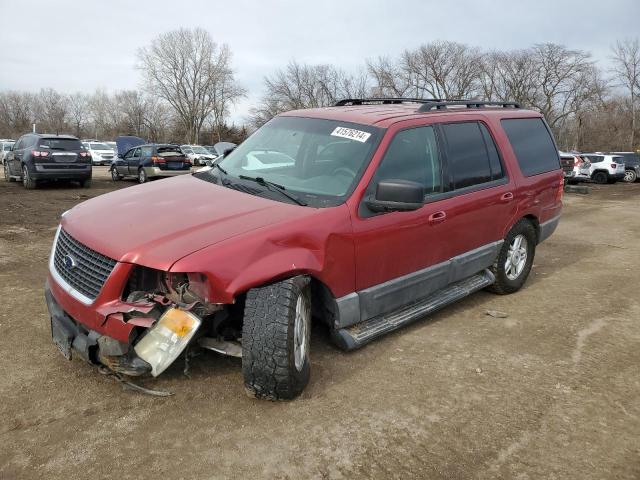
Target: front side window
{"x": 319, "y": 160}
{"x": 533, "y": 145}
{"x": 412, "y": 155}
{"x": 467, "y": 154}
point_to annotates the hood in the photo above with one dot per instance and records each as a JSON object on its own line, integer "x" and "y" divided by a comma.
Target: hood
{"x": 158, "y": 223}
{"x": 125, "y": 142}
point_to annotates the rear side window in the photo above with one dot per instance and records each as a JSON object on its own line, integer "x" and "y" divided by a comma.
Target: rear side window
{"x": 471, "y": 154}
{"x": 61, "y": 144}
{"x": 147, "y": 151}
{"x": 532, "y": 144}
{"x": 413, "y": 155}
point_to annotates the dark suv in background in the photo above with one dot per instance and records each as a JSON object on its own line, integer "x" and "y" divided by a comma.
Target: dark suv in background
{"x": 37, "y": 156}
{"x": 631, "y": 166}
{"x": 146, "y": 162}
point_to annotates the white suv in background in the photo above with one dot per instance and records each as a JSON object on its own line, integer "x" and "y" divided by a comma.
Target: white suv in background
{"x": 602, "y": 168}
{"x": 101, "y": 154}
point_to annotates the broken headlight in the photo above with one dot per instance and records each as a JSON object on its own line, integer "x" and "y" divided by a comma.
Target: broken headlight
{"x": 166, "y": 340}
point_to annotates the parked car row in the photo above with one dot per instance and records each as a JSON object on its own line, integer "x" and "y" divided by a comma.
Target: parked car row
{"x": 600, "y": 167}
{"x": 39, "y": 157}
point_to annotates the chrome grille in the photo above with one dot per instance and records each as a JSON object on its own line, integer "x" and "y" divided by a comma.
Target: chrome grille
{"x": 81, "y": 267}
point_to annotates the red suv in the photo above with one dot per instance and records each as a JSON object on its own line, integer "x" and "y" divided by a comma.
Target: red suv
{"x": 364, "y": 216}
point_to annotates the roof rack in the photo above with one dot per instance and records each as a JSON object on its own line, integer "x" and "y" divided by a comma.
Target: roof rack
{"x": 442, "y": 105}
{"x": 427, "y": 104}
{"x": 383, "y": 100}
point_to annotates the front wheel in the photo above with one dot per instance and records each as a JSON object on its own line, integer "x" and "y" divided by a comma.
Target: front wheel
{"x": 630, "y": 176}
{"x": 515, "y": 258}
{"x": 275, "y": 339}
{"x": 114, "y": 175}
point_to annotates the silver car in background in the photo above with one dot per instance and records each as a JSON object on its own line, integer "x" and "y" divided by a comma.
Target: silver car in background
{"x": 5, "y": 147}
{"x": 101, "y": 153}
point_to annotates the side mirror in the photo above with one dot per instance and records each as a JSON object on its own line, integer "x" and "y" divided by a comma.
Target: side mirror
{"x": 120, "y": 155}
{"x": 397, "y": 196}
{"x": 227, "y": 151}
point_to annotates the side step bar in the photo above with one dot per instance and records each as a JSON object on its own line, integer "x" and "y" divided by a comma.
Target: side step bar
{"x": 362, "y": 333}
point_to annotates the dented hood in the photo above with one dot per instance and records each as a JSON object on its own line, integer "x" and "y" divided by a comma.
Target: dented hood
{"x": 158, "y": 223}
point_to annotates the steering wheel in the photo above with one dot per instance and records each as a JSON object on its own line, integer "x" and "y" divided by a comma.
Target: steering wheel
{"x": 345, "y": 171}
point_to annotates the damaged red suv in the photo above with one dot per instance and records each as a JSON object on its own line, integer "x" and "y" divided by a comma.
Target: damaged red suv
{"x": 364, "y": 216}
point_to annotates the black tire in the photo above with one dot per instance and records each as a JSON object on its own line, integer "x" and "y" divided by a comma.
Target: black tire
{"x": 28, "y": 182}
{"x": 142, "y": 176}
{"x": 114, "y": 175}
{"x": 600, "y": 178}
{"x": 86, "y": 183}
{"x": 268, "y": 352}
{"x": 630, "y": 176}
{"x": 503, "y": 284}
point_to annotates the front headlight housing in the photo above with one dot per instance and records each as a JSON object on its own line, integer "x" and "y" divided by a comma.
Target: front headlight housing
{"x": 166, "y": 340}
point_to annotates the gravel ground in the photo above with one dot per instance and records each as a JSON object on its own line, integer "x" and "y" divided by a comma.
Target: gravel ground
{"x": 549, "y": 391}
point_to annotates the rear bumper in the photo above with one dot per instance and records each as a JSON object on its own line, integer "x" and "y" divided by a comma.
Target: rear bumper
{"x": 41, "y": 172}
{"x": 156, "y": 172}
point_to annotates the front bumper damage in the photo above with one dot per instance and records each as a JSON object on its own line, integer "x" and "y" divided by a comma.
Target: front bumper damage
{"x": 72, "y": 337}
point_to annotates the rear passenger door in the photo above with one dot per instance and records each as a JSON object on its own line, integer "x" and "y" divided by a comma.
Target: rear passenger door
{"x": 481, "y": 193}
{"x": 133, "y": 161}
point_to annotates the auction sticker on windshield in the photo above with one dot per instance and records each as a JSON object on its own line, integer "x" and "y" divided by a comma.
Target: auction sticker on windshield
{"x": 351, "y": 134}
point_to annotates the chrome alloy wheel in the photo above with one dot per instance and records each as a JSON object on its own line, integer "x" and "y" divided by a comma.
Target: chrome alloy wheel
{"x": 301, "y": 331}
{"x": 516, "y": 257}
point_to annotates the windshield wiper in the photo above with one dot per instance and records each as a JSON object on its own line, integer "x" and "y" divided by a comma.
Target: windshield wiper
{"x": 274, "y": 187}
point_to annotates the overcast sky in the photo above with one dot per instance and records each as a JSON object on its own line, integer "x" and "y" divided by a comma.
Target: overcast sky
{"x": 83, "y": 45}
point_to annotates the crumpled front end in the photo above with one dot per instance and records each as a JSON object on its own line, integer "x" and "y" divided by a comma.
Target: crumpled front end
{"x": 132, "y": 319}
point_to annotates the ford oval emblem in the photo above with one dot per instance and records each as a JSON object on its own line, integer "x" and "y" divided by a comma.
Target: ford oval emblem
{"x": 69, "y": 262}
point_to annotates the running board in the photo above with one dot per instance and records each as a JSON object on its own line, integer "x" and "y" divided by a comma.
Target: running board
{"x": 362, "y": 333}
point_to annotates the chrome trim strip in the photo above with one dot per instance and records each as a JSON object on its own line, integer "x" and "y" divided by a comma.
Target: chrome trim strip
{"x": 61, "y": 281}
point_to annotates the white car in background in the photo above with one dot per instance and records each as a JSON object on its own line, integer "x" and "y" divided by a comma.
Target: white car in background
{"x": 602, "y": 168}
{"x": 5, "y": 147}
{"x": 197, "y": 154}
{"x": 101, "y": 153}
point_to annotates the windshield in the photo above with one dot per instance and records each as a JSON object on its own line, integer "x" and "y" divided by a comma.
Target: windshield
{"x": 186, "y": 149}
{"x": 320, "y": 160}
{"x": 7, "y": 146}
{"x": 200, "y": 150}
{"x": 61, "y": 143}
{"x": 99, "y": 146}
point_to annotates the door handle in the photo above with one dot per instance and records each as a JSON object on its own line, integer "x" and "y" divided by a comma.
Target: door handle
{"x": 437, "y": 217}
{"x": 506, "y": 197}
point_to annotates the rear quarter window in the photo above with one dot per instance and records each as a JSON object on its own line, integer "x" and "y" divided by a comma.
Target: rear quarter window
{"x": 533, "y": 145}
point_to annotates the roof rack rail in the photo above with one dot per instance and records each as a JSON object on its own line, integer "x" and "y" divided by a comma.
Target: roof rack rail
{"x": 384, "y": 101}
{"x": 443, "y": 104}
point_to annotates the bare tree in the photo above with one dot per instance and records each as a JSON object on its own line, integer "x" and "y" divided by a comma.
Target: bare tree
{"x": 78, "y": 111}
{"x": 306, "y": 86}
{"x": 185, "y": 68}
{"x": 626, "y": 69}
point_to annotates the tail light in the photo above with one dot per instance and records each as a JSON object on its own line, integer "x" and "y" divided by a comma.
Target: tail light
{"x": 40, "y": 153}
{"x": 614, "y": 166}
{"x": 560, "y": 191}
{"x": 577, "y": 161}
{"x": 158, "y": 160}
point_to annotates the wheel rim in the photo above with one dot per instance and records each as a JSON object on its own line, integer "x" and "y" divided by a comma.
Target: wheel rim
{"x": 516, "y": 257}
{"x": 301, "y": 332}
{"x": 114, "y": 174}
{"x": 142, "y": 177}
{"x": 629, "y": 176}
{"x": 25, "y": 176}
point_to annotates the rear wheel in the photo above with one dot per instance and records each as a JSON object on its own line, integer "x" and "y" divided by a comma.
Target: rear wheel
{"x": 28, "y": 182}
{"x": 630, "y": 176}
{"x": 515, "y": 258}
{"x": 142, "y": 176}
{"x": 275, "y": 339}
{"x": 600, "y": 177}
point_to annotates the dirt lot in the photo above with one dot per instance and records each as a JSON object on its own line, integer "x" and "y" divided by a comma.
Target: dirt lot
{"x": 551, "y": 391}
